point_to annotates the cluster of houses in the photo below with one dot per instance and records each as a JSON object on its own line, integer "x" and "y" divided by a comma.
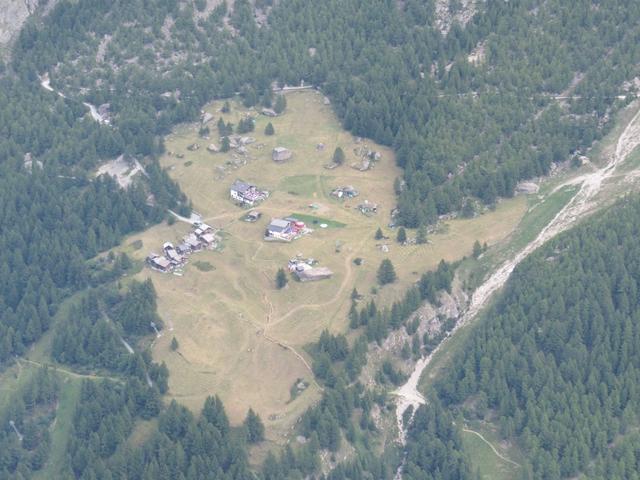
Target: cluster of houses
{"x": 306, "y": 271}
{"x": 174, "y": 257}
{"x": 247, "y": 194}
{"x": 285, "y": 229}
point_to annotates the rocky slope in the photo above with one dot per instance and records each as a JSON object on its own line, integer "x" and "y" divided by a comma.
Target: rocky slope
{"x": 13, "y": 14}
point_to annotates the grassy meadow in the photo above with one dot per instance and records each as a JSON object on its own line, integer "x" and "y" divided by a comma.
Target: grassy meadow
{"x": 239, "y": 336}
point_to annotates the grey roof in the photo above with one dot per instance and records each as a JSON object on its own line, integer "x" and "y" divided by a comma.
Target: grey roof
{"x": 240, "y": 186}
{"x": 278, "y": 225}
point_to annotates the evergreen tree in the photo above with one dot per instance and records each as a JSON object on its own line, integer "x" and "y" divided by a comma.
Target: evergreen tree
{"x": 386, "y": 272}
{"x": 338, "y": 156}
{"x": 226, "y": 107}
{"x": 225, "y": 145}
{"x": 379, "y": 235}
{"x": 281, "y": 279}
{"x": 174, "y": 344}
{"x": 269, "y": 130}
{"x": 421, "y": 235}
{"x": 402, "y": 235}
{"x": 477, "y": 249}
{"x": 280, "y": 105}
{"x": 254, "y": 427}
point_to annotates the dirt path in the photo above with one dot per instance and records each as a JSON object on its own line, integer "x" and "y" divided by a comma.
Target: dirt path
{"x": 345, "y": 282}
{"x": 580, "y": 205}
{"x": 69, "y": 372}
{"x": 498, "y": 454}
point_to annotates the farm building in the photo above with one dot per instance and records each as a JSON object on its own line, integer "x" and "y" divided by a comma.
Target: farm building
{"x": 192, "y": 242}
{"x": 314, "y": 274}
{"x": 158, "y": 262}
{"x": 281, "y": 154}
{"x": 252, "y": 216}
{"x": 247, "y": 194}
{"x": 209, "y": 239}
{"x": 306, "y": 272}
{"x": 284, "y": 229}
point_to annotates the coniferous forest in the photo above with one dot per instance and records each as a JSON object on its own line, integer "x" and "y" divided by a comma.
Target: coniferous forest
{"x": 470, "y": 112}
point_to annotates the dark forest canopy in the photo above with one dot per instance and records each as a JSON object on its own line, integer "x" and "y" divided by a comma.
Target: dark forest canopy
{"x": 459, "y": 128}
{"x": 556, "y": 363}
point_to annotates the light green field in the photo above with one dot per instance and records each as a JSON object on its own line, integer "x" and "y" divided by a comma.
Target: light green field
{"x": 485, "y": 460}
{"x": 241, "y": 338}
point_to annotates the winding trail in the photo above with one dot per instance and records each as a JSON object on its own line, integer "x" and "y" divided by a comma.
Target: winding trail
{"x": 580, "y": 205}
{"x": 71, "y": 373}
{"x": 498, "y": 454}
{"x": 345, "y": 282}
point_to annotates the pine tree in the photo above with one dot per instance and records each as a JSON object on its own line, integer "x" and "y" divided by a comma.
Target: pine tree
{"x": 226, "y": 108}
{"x": 402, "y": 235}
{"x": 174, "y": 344}
{"x": 477, "y": 249}
{"x": 421, "y": 235}
{"x": 379, "y": 235}
{"x": 269, "y": 130}
{"x": 222, "y": 127}
{"x": 225, "y": 145}
{"x": 281, "y": 279}
{"x": 280, "y": 105}
{"x": 386, "y": 272}
{"x": 254, "y": 426}
{"x": 338, "y": 156}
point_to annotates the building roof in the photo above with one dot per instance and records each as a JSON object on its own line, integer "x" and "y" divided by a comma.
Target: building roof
{"x": 162, "y": 262}
{"x": 317, "y": 273}
{"x": 240, "y": 186}
{"x": 278, "y": 225}
{"x": 208, "y": 238}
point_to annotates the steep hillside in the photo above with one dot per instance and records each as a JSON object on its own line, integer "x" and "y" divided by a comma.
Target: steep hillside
{"x": 555, "y": 365}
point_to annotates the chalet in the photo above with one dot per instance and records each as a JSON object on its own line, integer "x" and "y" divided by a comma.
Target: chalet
{"x": 174, "y": 257}
{"x": 247, "y": 194}
{"x": 192, "y": 242}
{"x": 306, "y": 272}
{"x": 183, "y": 249}
{"x": 158, "y": 262}
{"x": 252, "y": 216}
{"x": 281, "y": 154}
{"x": 314, "y": 274}
{"x": 285, "y": 229}
{"x": 208, "y": 239}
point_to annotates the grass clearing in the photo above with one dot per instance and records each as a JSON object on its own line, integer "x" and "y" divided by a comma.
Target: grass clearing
{"x": 485, "y": 461}
{"x": 69, "y": 396}
{"x": 203, "y": 266}
{"x": 313, "y": 221}
{"x": 234, "y": 328}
